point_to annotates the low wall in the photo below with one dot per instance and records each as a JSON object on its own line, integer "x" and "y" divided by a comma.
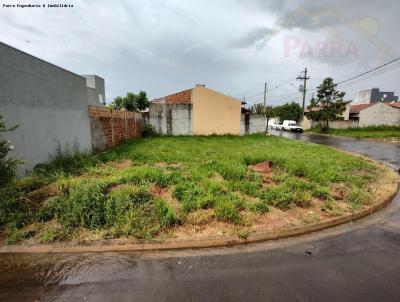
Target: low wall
{"x": 110, "y": 127}
{"x": 334, "y": 125}
{"x": 171, "y": 119}
{"x": 252, "y": 123}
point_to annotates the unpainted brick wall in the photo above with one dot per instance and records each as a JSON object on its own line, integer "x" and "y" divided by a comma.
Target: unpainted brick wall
{"x": 111, "y": 127}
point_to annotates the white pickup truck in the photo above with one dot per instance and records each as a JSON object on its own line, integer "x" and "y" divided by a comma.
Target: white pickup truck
{"x": 291, "y": 126}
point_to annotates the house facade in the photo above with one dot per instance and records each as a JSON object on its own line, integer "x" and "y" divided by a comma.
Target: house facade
{"x": 196, "y": 111}
{"x": 383, "y": 113}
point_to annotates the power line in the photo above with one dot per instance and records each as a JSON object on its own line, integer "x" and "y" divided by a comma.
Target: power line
{"x": 369, "y": 71}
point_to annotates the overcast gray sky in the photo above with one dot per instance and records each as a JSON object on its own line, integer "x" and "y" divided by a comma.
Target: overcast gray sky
{"x": 233, "y": 46}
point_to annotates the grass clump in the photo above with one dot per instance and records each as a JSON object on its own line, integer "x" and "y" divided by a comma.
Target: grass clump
{"x": 379, "y": 132}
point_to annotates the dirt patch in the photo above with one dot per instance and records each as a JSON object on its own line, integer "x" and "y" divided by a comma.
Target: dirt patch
{"x": 166, "y": 195}
{"x": 265, "y": 169}
{"x": 119, "y": 165}
{"x": 217, "y": 177}
{"x": 38, "y": 197}
{"x": 168, "y": 165}
{"x": 213, "y": 228}
{"x": 339, "y": 191}
{"x": 200, "y": 217}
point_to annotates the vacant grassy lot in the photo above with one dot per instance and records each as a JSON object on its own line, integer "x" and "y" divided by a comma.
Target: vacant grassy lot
{"x": 378, "y": 132}
{"x": 180, "y": 186}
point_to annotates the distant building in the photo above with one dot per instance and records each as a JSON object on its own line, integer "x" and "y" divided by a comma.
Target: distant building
{"x": 95, "y": 89}
{"x": 196, "y": 111}
{"x": 373, "y": 95}
{"x": 362, "y": 115}
{"x": 373, "y": 114}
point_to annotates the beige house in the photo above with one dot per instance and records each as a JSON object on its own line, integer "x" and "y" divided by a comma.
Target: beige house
{"x": 196, "y": 111}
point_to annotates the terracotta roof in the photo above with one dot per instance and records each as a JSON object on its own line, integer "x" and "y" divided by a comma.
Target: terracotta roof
{"x": 393, "y": 104}
{"x": 182, "y": 97}
{"x": 359, "y": 107}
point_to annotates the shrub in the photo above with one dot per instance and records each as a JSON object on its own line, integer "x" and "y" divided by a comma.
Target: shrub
{"x": 149, "y": 131}
{"x": 13, "y": 208}
{"x": 7, "y": 163}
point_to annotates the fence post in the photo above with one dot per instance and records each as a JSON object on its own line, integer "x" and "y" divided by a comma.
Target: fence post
{"x": 126, "y": 126}
{"x": 112, "y": 127}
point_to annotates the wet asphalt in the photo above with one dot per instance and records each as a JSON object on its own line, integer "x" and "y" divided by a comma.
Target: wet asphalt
{"x": 359, "y": 261}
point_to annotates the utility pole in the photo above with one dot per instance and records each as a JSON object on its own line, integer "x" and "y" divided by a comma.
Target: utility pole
{"x": 265, "y": 106}
{"x": 304, "y": 78}
{"x": 265, "y": 95}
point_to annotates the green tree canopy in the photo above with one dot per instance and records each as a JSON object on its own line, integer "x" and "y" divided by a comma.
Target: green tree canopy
{"x": 329, "y": 104}
{"x": 131, "y": 102}
{"x": 289, "y": 111}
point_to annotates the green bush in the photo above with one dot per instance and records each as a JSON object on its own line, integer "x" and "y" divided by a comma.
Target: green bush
{"x": 13, "y": 208}
{"x": 7, "y": 163}
{"x": 149, "y": 131}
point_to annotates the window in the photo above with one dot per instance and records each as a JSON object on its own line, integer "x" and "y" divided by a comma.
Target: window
{"x": 101, "y": 98}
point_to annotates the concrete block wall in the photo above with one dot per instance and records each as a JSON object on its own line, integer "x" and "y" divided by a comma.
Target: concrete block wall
{"x": 110, "y": 127}
{"x": 252, "y": 123}
{"x": 379, "y": 114}
{"x": 333, "y": 124}
{"x": 171, "y": 119}
{"x": 48, "y": 103}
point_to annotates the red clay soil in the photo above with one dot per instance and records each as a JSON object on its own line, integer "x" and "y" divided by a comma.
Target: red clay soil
{"x": 266, "y": 169}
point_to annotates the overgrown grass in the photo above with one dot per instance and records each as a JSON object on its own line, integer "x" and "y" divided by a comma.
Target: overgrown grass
{"x": 200, "y": 173}
{"x": 380, "y": 132}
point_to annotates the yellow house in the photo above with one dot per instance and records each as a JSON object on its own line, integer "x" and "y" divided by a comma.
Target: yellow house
{"x": 196, "y": 111}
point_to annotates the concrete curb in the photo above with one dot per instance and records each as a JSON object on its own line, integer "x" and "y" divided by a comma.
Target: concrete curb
{"x": 173, "y": 244}
{"x": 365, "y": 139}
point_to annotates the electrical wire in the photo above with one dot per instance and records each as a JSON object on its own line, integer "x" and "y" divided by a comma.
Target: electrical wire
{"x": 367, "y": 72}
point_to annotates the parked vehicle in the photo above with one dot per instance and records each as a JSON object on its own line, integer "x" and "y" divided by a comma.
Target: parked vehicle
{"x": 277, "y": 126}
{"x": 291, "y": 126}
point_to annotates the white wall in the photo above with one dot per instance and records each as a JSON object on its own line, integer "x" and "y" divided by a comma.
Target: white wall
{"x": 379, "y": 114}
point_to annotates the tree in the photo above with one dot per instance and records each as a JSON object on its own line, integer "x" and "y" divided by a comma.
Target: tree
{"x": 131, "y": 102}
{"x": 268, "y": 111}
{"x": 7, "y": 163}
{"x": 118, "y": 103}
{"x": 289, "y": 111}
{"x": 257, "y": 108}
{"x": 329, "y": 104}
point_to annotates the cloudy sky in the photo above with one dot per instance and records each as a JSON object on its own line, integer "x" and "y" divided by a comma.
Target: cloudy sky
{"x": 233, "y": 46}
